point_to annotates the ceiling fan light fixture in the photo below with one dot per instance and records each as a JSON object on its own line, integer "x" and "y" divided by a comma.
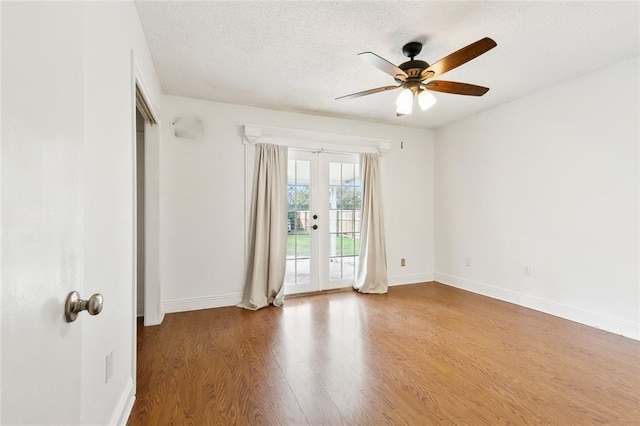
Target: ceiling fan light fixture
{"x": 426, "y": 100}
{"x": 404, "y": 103}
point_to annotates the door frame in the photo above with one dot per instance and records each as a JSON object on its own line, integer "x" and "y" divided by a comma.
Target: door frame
{"x": 153, "y": 312}
{"x": 152, "y": 288}
{"x": 319, "y": 247}
{"x": 1, "y": 258}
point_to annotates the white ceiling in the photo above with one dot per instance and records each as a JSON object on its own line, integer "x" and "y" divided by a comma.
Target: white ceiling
{"x": 299, "y": 56}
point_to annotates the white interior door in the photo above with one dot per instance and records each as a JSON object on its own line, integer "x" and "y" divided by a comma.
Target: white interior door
{"x": 323, "y": 194}
{"x": 42, "y": 247}
{"x": 67, "y": 203}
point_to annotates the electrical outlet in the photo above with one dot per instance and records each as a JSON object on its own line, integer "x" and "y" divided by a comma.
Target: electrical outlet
{"x": 526, "y": 271}
{"x": 108, "y": 371}
{"x": 467, "y": 261}
{"x": 402, "y": 262}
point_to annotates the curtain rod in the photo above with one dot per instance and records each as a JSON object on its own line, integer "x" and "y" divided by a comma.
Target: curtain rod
{"x": 332, "y": 151}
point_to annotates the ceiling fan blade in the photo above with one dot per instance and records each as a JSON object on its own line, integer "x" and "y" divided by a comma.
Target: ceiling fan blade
{"x": 369, "y": 92}
{"x": 458, "y": 58}
{"x": 384, "y": 65}
{"x": 456, "y": 88}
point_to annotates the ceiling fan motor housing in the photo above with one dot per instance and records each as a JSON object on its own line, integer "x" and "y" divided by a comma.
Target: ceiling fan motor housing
{"x": 414, "y": 67}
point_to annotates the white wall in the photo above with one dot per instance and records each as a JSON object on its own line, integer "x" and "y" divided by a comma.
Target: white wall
{"x": 548, "y": 181}
{"x": 67, "y": 207}
{"x": 112, "y": 35}
{"x": 202, "y": 228}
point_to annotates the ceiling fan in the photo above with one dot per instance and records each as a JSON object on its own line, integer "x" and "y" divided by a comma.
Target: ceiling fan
{"x": 412, "y": 75}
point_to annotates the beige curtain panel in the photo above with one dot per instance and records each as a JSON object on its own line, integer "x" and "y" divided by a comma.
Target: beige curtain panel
{"x": 372, "y": 270}
{"x": 268, "y": 231}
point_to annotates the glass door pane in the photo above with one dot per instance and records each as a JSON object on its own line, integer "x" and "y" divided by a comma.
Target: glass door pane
{"x": 342, "y": 229}
{"x": 300, "y": 273}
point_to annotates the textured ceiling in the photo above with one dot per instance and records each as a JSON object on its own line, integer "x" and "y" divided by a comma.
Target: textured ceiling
{"x": 299, "y": 56}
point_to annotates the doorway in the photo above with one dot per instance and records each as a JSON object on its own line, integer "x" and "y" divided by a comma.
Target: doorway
{"x": 323, "y": 221}
{"x": 146, "y": 208}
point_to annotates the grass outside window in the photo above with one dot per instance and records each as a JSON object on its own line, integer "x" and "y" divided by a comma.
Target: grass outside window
{"x": 350, "y": 246}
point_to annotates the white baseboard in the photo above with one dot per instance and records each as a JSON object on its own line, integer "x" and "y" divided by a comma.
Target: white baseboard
{"x": 148, "y": 322}
{"x": 582, "y": 316}
{"x": 123, "y": 409}
{"x": 206, "y": 302}
{"x": 223, "y": 300}
{"x": 409, "y": 279}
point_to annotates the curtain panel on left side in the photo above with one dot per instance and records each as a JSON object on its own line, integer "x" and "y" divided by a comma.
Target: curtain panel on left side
{"x": 268, "y": 229}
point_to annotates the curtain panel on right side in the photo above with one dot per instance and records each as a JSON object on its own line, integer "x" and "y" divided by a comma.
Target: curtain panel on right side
{"x": 372, "y": 270}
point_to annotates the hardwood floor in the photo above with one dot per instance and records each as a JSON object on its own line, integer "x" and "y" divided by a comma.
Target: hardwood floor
{"x": 422, "y": 354}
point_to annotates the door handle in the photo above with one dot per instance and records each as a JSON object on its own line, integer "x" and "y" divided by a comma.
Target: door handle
{"x": 315, "y": 226}
{"x": 74, "y": 305}
{"x": 315, "y": 216}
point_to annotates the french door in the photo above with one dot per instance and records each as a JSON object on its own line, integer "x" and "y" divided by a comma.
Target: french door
{"x": 323, "y": 216}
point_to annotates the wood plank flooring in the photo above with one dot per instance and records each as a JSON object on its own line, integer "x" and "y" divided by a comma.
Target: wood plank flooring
{"x": 422, "y": 354}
